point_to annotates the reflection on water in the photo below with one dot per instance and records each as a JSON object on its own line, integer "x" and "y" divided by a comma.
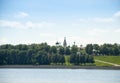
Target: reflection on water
{"x": 59, "y": 76}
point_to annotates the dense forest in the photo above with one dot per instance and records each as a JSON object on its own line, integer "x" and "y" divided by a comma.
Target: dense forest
{"x": 105, "y": 49}
{"x": 44, "y": 54}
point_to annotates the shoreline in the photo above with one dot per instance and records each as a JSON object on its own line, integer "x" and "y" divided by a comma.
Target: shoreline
{"x": 59, "y": 67}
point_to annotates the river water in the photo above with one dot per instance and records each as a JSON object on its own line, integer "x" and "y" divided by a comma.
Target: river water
{"x": 59, "y": 76}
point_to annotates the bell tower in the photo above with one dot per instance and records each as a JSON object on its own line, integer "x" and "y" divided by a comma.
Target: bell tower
{"x": 64, "y": 42}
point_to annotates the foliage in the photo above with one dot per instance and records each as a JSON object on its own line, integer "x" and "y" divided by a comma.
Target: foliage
{"x": 105, "y": 49}
{"x": 44, "y": 54}
{"x": 41, "y": 54}
{"x": 89, "y": 49}
{"x": 81, "y": 59}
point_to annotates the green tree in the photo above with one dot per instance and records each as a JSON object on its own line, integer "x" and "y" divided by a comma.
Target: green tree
{"x": 53, "y": 49}
{"x": 89, "y": 49}
{"x": 22, "y": 57}
{"x": 2, "y": 57}
{"x": 74, "y": 49}
{"x": 72, "y": 58}
{"x": 61, "y": 51}
{"x": 42, "y": 58}
{"x": 21, "y": 47}
{"x": 62, "y": 59}
{"x": 116, "y": 49}
{"x": 96, "y": 49}
{"x": 67, "y": 51}
{"x": 54, "y": 58}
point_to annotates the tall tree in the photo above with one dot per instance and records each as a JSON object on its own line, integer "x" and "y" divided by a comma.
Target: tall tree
{"x": 89, "y": 49}
{"x": 67, "y": 51}
{"x": 74, "y": 49}
{"x": 53, "y": 49}
{"x": 61, "y": 51}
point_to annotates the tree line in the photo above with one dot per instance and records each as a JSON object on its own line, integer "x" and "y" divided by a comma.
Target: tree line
{"x": 41, "y": 54}
{"x": 77, "y": 57}
{"x": 105, "y": 49}
{"x": 44, "y": 54}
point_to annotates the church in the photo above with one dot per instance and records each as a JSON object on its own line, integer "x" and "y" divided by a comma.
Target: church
{"x": 64, "y": 43}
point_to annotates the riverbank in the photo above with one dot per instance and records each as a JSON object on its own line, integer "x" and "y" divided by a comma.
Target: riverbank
{"x": 60, "y": 67}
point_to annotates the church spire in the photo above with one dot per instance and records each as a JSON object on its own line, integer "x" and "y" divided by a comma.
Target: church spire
{"x": 64, "y": 43}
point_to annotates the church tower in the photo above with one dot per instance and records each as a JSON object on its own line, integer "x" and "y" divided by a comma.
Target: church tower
{"x": 64, "y": 42}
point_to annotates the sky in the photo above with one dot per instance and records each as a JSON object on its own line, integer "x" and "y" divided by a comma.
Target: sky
{"x": 80, "y": 21}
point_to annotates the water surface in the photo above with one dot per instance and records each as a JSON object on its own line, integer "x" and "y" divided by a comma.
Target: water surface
{"x": 59, "y": 76}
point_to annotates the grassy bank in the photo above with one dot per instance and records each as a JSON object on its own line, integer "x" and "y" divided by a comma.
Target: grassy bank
{"x": 112, "y": 59}
{"x": 101, "y": 64}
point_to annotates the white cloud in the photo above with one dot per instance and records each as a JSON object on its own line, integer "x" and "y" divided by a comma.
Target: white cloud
{"x": 113, "y": 18}
{"x": 97, "y": 20}
{"x": 83, "y": 20}
{"x": 4, "y": 23}
{"x": 104, "y": 20}
{"x": 29, "y": 24}
{"x": 117, "y": 30}
{"x": 117, "y": 14}
{"x": 21, "y": 15}
{"x": 97, "y": 31}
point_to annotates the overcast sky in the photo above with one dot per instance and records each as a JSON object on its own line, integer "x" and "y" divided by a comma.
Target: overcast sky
{"x": 37, "y": 21}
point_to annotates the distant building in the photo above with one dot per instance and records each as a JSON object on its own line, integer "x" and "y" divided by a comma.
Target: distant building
{"x": 64, "y": 42}
{"x": 57, "y": 43}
